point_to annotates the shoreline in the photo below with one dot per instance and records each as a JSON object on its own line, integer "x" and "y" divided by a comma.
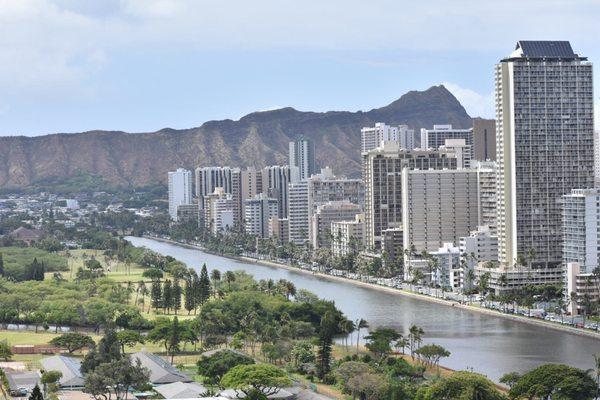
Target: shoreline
{"x": 397, "y": 292}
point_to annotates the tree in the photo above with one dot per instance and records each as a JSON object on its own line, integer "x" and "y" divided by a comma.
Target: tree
{"x": 432, "y": 353}
{"x": 326, "y": 332}
{"x": 153, "y": 274}
{"x": 176, "y": 294}
{"x": 360, "y": 324}
{"x": 461, "y": 385}
{"x": 380, "y": 341}
{"x": 167, "y": 297}
{"x": 218, "y": 364}
{"x": 36, "y": 394}
{"x": 1, "y": 265}
{"x": 73, "y": 341}
{"x": 556, "y": 382}
{"x": 50, "y": 381}
{"x": 203, "y": 286}
{"x": 415, "y": 337}
{"x": 107, "y": 351}
{"x": 256, "y": 381}
{"x": 302, "y": 353}
{"x": 215, "y": 277}
{"x": 189, "y": 299}
{"x": 229, "y": 278}
{"x": 5, "y": 351}
{"x": 156, "y": 295}
{"x": 130, "y": 338}
{"x": 510, "y": 378}
{"x": 115, "y": 379}
{"x": 168, "y": 333}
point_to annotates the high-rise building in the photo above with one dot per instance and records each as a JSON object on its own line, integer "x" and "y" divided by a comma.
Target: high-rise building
{"x": 436, "y": 137}
{"x": 382, "y": 168}
{"x": 209, "y": 178}
{"x": 320, "y": 234}
{"x": 438, "y": 206}
{"x": 298, "y": 215}
{"x": 302, "y": 156}
{"x": 463, "y": 152}
{"x": 486, "y": 181}
{"x": 484, "y": 139}
{"x": 257, "y": 213}
{"x": 581, "y": 228}
{"x": 180, "y": 190}
{"x": 279, "y": 229}
{"x": 275, "y": 183}
{"x": 348, "y": 236}
{"x": 545, "y": 147}
{"x": 597, "y": 158}
{"x": 373, "y": 137}
{"x": 251, "y": 184}
{"x": 325, "y": 186}
{"x": 481, "y": 246}
{"x": 218, "y": 211}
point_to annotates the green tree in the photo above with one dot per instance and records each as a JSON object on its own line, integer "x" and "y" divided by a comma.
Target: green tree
{"x": 156, "y": 295}
{"x": 73, "y": 341}
{"x": 130, "y": 338}
{"x": 431, "y": 354}
{"x": 461, "y": 386}
{"x": 167, "y": 295}
{"x": 1, "y": 265}
{"x": 256, "y": 381}
{"x": 510, "y": 378}
{"x": 107, "y": 351}
{"x": 360, "y": 324}
{"x": 379, "y": 342}
{"x": 153, "y": 274}
{"x": 50, "y": 381}
{"x": 326, "y": 332}
{"x": 218, "y": 364}
{"x": 169, "y": 333}
{"x": 176, "y": 294}
{"x": 5, "y": 351}
{"x": 36, "y": 394}
{"x": 204, "y": 286}
{"x": 188, "y": 294}
{"x": 229, "y": 278}
{"x": 556, "y": 382}
{"x": 115, "y": 379}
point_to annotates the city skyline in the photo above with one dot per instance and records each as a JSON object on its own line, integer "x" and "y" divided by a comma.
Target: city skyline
{"x": 142, "y": 67}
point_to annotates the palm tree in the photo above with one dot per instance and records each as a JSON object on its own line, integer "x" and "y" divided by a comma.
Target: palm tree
{"x": 359, "y": 324}
{"x": 415, "y": 337}
{"x": 290, "y": 289}
{"x": 229, "y": 277}
{"x": 346, "y": 327}
{"x": 597, "y": 372}
{"x": 141, "y": 289}
{"x": 215, "y": 277}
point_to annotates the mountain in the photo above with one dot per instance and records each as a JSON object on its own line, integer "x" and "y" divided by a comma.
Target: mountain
{"x": 257, "y": 139}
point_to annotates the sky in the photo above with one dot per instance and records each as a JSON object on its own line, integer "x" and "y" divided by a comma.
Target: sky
{"x": 143, "y": 65}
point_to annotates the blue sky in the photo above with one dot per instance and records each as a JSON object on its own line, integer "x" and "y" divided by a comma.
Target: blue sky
{"x": 141, "y": 65}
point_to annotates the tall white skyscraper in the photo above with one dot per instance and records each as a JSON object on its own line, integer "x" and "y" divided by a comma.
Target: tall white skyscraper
{"x": 275, "y": 183}
{"x": 545, "y": 147}
{"x": 180, "y": 190}
{"x": 302, "y": 156}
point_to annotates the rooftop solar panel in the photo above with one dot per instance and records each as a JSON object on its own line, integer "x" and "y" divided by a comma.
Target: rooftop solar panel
{"x": 546, "y": 49}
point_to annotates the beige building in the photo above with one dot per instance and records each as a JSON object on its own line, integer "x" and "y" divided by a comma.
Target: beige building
{"x": 484, "y": 139}
{"x": 279, "y": 229}
{"x": 218, "y": 211}
{"x": 320, "y": 234}
{"x": 348, "y": 236}
{"x": 382, "y": 168}
{"x": 438, "y": 206}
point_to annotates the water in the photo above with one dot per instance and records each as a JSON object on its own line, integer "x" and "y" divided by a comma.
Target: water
{"x": 487, "y": 344}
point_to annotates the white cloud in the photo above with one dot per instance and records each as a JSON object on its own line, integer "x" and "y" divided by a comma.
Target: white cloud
{"x": 476, "y": 104}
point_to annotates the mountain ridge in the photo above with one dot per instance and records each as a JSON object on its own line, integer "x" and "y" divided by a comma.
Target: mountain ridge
{"x": 256, "y": 139}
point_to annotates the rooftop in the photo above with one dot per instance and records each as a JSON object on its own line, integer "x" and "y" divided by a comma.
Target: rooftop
{"x": 544, "y": 50}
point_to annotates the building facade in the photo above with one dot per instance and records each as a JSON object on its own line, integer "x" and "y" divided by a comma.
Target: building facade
{"x": 545, "y": 142}
{"x": 180, "y": 190}
{"x": 484, "y": 139}
{"x": 436, "y": 137}
{"x": 438, "y": 206}
{"x": 486, "y": 185}
{"x": 320, "y": 234}
{"x": 382, "y": 169}
{"x": 257, "y": 213}
{"x": 581, "y": 228}
{"x": 219, "y": 211}
{"x": 348, "y": 236}
{"x": 302, "y": 156}
{"x": 275, "y": 183}
{"x": 298, "y": 214}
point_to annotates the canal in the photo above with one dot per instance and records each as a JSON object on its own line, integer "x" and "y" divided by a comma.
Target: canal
{"x": 487, "y": 344}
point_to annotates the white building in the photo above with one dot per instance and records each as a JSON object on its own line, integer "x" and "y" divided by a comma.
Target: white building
{"x": 209, "y": 178}
{"x": 258, "y": 212}
{"x": 486, "y": 182}
{"x": 462, "y": 151}
{"x": 436, "y": 137}
{"x": 298, "y": 212}
{"x": 302, "y": 156}
{"x": 480, "y": 246}
{"x": 219, "y": 211}
{"x": 180, "y": 190}
{"x": 373, "y": 137}
{"x": 581, "y": 228}
{"x": 545, "y": 147}
{"x": 348, "y": 236}
{"x": 333, "y": 211}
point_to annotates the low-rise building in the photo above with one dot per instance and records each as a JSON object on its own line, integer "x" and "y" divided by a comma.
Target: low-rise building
{"x": 320, "y": 234}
